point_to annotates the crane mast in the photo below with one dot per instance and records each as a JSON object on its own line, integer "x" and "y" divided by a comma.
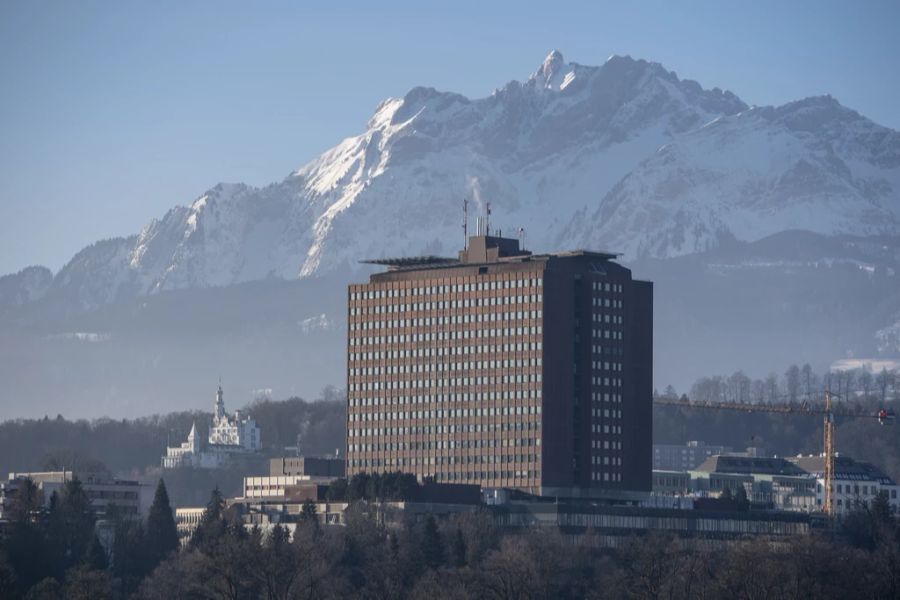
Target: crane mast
{"x": 829, "y": 456}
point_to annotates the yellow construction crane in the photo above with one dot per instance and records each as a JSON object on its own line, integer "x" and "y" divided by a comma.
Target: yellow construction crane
{"x": 829, "y": 411}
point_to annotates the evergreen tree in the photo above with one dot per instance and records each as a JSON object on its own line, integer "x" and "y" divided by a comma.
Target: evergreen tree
{"x": 45, "y": 589}
{"x": 130, "y": 561}
{"x": 337, "y": 490}
{"x": 882, "y": 512}
{"x": 87, "y": 584}
{"x": 7, "y": 578}
{"x": 26, "y": 501}
{"x": 212, "y": 524}
{"x": 95, "y": 558}
{"x": 162, "y": 534}
{"x": 432, "y": 544}
{"x": 308, "y": 512}
{"x": 459, "y": 549}
{"x": 70, "y": 525}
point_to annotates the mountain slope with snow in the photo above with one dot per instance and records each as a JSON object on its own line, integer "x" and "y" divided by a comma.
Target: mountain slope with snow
{"x": 811, "y": 165}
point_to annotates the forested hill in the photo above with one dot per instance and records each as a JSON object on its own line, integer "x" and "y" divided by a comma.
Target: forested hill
{"x": 133, "y": 447}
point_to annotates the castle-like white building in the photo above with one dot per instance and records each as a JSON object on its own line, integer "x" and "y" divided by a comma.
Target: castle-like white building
{"x": 229, "y": 435}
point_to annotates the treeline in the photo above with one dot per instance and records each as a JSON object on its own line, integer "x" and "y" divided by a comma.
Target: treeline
{"x": 131, "y": 447}
{"x": 468, "y": 556}
{"x": 797, "y": 384}
{"x": 53, "y": 550}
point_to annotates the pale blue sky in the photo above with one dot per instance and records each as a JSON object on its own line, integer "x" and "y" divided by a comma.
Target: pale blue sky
{"x": 112, "y": 112}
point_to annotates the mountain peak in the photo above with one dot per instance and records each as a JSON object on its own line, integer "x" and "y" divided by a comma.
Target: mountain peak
{"x": 550, "y": 69}
{"x": 554, "y": 59}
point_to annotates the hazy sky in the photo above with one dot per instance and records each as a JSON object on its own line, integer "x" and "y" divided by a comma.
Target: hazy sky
{"x": 113, "y": 112}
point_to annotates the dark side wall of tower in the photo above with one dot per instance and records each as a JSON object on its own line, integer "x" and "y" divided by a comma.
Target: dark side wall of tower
{"x": 598, "y": 341}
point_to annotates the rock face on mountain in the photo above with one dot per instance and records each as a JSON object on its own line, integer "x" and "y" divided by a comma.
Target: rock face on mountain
{"x": 625, "y": 157}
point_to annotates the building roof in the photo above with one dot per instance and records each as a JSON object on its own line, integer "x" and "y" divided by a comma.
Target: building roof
{"x": 439, "y": 262}
{"x": 747, "y": 465}
{"x": 844, "y": 468}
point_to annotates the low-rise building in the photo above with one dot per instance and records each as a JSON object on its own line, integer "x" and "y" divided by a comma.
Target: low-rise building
{"x": 855, "y": 483}
{"x": 684, "y": 457}
{"x": 791, "y": 484}
{"x": 768, "y": 480}
{"x": 186, "y": 522}
{"x": 285, "y": 474}
{"x": 130, "y": 498}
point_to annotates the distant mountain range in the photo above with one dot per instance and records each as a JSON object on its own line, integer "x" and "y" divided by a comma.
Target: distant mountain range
{"x": 624, "y": 157}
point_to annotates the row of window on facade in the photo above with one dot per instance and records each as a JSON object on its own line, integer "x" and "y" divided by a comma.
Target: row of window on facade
{"x": 606, "y": 397}
{"x": 602, "y": 286}
{"x": 463, "y": 365}
{"x": 606, "y": 303}
{"x": 855, "y": 490}
{"x": 448, "y": 382}
{"x": 607, "y": 381}
{"x": 440, "y": 305}
{"x": 445, "y": 413}
{"x": 492, "y": 396}
{"x": 484, "y": 476}
{"x": 468, "y": 350}
{"x": 443, "y": 336}
{"x": 466, "y": 285}
{"x": 606, "y": 476}
{"x": 451, "y": 459}
{"x": 355, "y": 432}
{"x": 458, "y": 333}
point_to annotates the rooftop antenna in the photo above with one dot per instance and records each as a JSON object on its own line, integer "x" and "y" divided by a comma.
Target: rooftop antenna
{"x": 521, "y": 238}
{"x": 487, "y": 219}
{"x": 465, "y": 223}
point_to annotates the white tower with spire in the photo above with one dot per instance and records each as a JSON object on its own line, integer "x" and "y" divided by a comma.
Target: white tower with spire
{"x": 194, "y": 439}
{"x": 232, "y": 433}
{"x": 219, "y": 412}
{"x": 187, "y": 454}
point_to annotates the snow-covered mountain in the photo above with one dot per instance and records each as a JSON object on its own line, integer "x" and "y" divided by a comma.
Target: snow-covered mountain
{"x": 810, "y": 165}
{"x": 538, "y": 151}
{"x": 625, "y": 156}
{"x": 778, "y": 227}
